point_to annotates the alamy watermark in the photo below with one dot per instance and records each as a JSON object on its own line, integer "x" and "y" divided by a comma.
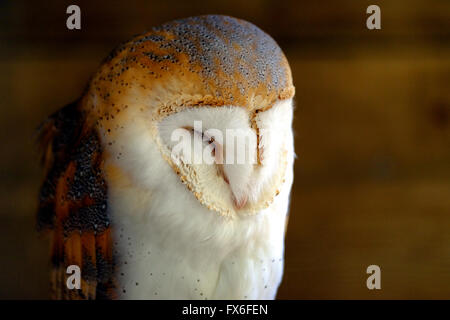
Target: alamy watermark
{"x": 374, "y": 20}
{"x": 374, "y": 280}
{"x": 74, "y": 20}
{"x": 74, "y": 280}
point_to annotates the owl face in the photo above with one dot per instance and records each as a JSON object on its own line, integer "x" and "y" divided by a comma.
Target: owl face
{"x": 211, "y": 98}
{"x": 233, "y": 160}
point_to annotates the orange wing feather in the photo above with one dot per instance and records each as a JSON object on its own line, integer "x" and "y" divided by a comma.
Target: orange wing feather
{"x": 73, "y": 206}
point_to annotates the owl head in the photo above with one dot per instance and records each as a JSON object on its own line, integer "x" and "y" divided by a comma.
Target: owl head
{"x": 209, "y": 97}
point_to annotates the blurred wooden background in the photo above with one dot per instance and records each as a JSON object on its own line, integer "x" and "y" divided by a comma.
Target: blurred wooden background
{"x": 372, "y": 181}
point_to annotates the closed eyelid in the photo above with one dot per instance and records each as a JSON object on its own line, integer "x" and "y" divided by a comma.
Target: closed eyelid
{"x": 205, "y": 137}
{"x": 218, "y": 149}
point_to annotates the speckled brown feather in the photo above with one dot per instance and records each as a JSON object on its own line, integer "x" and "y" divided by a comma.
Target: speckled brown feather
{"x": 73, "y": 206}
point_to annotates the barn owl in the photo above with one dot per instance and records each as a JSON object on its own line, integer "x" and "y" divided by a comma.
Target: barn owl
{"x": 141, "y": 223}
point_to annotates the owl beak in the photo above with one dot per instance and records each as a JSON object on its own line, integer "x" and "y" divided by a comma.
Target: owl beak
{"x": 239, "y": 200}
{"x": 239, "y": 203}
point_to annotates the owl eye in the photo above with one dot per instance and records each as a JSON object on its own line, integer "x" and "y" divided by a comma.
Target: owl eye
{"x": 205, "y": 138}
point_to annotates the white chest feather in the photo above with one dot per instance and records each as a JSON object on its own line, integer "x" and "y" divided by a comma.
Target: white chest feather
{"x": 177, "y": 249}
{"x": 170, "y": 246}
